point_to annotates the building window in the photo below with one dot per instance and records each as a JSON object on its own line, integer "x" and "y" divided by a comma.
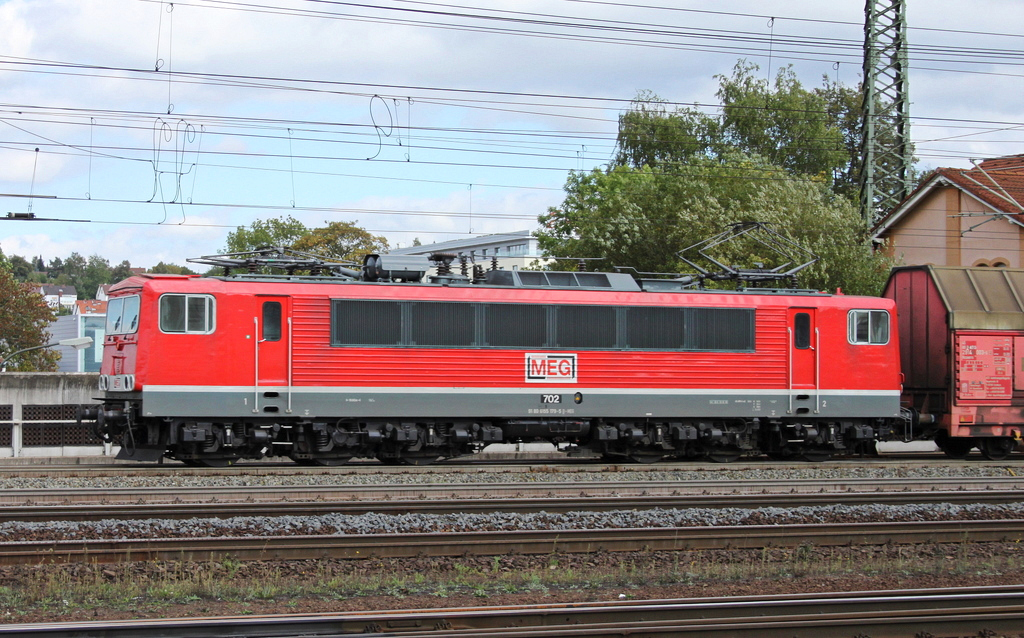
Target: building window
{"x": 869, "y": 327}
{"x": 188, "y": 314}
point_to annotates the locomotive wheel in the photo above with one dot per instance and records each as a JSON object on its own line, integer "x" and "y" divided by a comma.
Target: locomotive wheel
{"x": 646, "y": 457}
{"x": 330, "y": 461}
{"x": 221, "y": 461}
{"x": 996, "y": 449}
{"x": 955, "y": 448}
{"x": 723, "y": 455}
{"x": 813, "y": 455}
{"x": 420, "y": 459}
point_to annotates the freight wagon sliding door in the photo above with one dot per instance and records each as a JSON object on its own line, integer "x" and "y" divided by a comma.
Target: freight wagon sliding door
{"x": 803, "y": 354}
{"x": 274, "y": 341}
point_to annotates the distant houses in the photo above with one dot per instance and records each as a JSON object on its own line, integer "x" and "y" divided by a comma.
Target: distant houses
{"x": 57, "y": 296}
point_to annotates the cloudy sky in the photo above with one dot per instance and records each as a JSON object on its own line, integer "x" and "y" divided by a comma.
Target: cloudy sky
{"x": 148, "y": 130}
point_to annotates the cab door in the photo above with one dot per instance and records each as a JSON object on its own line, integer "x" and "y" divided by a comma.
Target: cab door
{"x": 273, "y": 340}
{"x": 803, "y": 349}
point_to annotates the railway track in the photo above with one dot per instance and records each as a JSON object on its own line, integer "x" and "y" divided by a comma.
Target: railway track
{"x": 490, "y": 490}
{"x": 165, "y": 503}
{"x": 967, "y": 611}
{"x": 531, "y": 464}
{"x": 496, "y": 543}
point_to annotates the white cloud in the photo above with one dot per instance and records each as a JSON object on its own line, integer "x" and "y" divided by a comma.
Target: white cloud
{"x": 276, "y": 166}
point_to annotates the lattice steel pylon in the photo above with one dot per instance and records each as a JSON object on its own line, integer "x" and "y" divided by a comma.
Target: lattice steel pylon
{"x": 887, "y": 153}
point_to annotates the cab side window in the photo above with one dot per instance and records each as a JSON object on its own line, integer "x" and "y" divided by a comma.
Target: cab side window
{"x": 802, "y": 330}
{"x": 271, "y": 321}
{"x": 869, "y": 327}
{"x": 189, "y": 314}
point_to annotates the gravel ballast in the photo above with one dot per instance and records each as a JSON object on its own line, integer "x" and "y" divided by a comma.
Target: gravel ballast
{"x": 374, "y": 523}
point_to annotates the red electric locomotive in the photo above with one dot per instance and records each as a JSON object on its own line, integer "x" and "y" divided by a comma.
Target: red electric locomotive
{"x": 377, "y": 364}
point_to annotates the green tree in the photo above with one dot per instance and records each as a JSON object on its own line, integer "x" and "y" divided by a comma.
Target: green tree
{"x": 809, "y": 132}
{"x": 652, "y": 135}
{"x": 121, "y": 272}
{"x": 97, "y": 273}
{"x": 786, "y": 124}
{"x": 24, "y": 318}
{"x": 265, "y": 232}
{"x": 341, "y": 240}
{"x": 21, "y": 267}
{"x": 641, "y": 217}
{"x": 171, "y": 269}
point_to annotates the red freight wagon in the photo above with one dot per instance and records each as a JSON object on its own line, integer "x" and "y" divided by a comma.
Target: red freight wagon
{"x": 320, "y": 369}
{"x": 962, "y": 354}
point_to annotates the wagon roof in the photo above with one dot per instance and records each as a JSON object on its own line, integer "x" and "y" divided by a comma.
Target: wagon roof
{"x": 978, "y": 298}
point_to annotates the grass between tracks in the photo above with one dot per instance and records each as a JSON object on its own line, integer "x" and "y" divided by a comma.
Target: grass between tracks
{"x": 138, "y": 590}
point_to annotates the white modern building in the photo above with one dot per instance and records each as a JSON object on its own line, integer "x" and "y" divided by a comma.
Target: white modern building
{"x": 514, "y": 250}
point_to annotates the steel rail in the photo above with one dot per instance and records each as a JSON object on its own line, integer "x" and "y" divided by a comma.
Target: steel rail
{"x": 517, "y": 490}
{"x": 531, "y": 462}
{"x": 960, "y": 610}
{"x": 463, "y": 543}
{"x": 452, "y": 503}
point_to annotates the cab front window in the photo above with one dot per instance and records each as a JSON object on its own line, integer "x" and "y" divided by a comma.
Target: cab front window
{"x": 122, "y": 315}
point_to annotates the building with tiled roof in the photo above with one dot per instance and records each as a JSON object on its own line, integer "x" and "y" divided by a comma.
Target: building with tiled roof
{"x": 961, "y": 217}
{"x": 90, "y": 307}
{"x": 58, "y": 296}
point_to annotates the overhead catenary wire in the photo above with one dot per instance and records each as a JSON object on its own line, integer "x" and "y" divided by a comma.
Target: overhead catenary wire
{"x": 536, "y": 146}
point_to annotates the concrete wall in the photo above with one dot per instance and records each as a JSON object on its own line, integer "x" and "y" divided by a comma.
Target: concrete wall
{"x": 37, "y": 414}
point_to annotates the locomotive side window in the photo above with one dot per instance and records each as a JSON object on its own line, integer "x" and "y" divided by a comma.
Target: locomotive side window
{"x": 869, "y": 327}
{"x": 512, "y": 325}
{"x": 586, "y": 327}
{"x": 271, "y": 321}
{"x": 654, "y": 328}
{"x": 443, "y": 324}
{"x": 719, "y": 329}
{"x": 366, "y": 323}
{"x": 802, "y": 330}
{"x": 189, "y": 314}
{"x": 123, "y": 315}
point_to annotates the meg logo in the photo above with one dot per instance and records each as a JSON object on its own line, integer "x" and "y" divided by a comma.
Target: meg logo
{"x": 544, "y": 367}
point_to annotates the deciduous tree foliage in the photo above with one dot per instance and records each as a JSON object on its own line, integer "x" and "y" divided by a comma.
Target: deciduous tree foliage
{"x": 779, "y": 154}
{"x": 341, "y": 240}
{"x": 171, "y": 269}
{"x": 338, "y": 240}
{"x": 641, "y": 217}
{"x": 283, "y": 231}
{"x": 24, "y": 318}
{"x": 806, "y": 131}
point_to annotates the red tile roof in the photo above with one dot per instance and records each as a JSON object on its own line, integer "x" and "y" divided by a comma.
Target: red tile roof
{"x": 998, "y": 182}
{"x": 91, "y": 307}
